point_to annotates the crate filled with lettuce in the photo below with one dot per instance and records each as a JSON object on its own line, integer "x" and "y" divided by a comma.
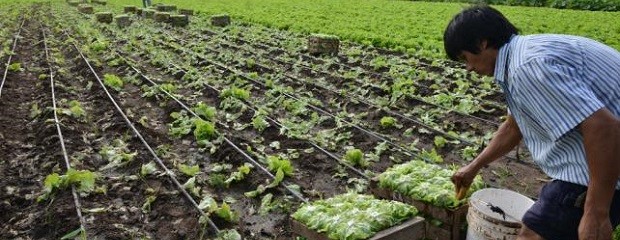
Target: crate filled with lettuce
{"x": 355, "y": 216}
{"x": 428, "y": 187}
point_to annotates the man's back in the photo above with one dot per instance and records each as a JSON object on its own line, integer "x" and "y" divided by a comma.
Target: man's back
{"x": 598, "y": 64}
{"x": 553, "y": 83}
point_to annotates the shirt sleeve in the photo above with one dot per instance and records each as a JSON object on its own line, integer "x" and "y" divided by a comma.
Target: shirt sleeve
{"x": 554, "y": 95}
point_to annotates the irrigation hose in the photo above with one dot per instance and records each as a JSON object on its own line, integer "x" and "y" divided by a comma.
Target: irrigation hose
{"x": 78, "y": 205}
{"x": 6, "y": 68}
{"x": 159, "y": 161}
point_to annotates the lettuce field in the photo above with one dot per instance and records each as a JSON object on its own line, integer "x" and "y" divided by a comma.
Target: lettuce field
{"x": 118, "y": 125}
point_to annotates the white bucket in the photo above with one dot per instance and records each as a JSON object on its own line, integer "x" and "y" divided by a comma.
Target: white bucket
{"x": 484, "y": 224}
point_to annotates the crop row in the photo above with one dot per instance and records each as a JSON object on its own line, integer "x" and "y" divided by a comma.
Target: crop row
{"x": 249, "y": 137}
{"x": 261, "y": 94}
{"x": 9, "y": 25}
{"x": 124, "y": 169}
{"x": 251, "y": 145}
{"x": 414, "y": 27}
{"x": 612, "y": 5}
{"x": 220, "y": 154}
{"x": 191, "y": 57}
{"x": 254, "y": 63}
{"x": 394, "y": 75}
{"x": 117, "y": 182}
{"x": 315, "y": 190}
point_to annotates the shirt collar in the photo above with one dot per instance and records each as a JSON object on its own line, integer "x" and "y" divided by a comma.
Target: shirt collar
{"x": 501, "y": 64}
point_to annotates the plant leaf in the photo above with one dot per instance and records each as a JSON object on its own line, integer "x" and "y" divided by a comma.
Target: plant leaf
{"x": 189, "y": 170}
{"x": 72, "y": 234}
{"x": 148, "y": 168}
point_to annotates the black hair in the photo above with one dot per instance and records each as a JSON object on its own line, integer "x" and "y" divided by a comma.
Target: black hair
{"x": 471, "y": 26}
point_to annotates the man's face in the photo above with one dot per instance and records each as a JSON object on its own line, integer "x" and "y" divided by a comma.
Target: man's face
{"x": 483, "y": 62}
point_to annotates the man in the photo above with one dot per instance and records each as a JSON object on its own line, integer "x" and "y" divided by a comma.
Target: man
{"x": 563, "y": 93}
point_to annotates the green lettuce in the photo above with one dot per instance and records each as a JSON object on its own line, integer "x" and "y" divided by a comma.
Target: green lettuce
{"x": 353, "y": 216}
{"x": 425, "y": 182}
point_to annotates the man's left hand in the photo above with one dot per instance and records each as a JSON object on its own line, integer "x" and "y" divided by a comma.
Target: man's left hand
{"x": 594, "y": 227}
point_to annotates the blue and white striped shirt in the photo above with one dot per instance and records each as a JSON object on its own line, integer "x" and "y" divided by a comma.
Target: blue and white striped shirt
{"x": 552, "y": 83}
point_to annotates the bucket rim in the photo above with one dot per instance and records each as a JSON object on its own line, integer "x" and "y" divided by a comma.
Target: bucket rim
{"x": 488, "y": 218}
{"x": 474, "y": 207}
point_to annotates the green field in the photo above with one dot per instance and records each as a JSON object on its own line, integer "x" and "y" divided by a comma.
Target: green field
{"x": 414, "y": 26}
{"x": 125, "y": 123}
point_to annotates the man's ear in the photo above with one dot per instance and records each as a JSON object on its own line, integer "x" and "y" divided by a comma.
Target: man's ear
{"x": 483, "y": 44}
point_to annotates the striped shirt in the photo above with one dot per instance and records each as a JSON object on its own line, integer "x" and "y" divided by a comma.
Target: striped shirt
{"x": 552, "y": 83}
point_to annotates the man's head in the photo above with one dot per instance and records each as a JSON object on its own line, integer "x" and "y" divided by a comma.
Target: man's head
{"x": 477, "y": 32}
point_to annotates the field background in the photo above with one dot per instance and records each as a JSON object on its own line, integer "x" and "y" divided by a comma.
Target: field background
{"x": 205, "y": 64}
{"x": 408, "y": 26}
{"x": 416, "y": 27}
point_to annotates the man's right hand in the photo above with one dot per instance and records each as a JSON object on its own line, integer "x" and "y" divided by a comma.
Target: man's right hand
{"x": 505, "y": 139}
{"x": 463, "y": 178}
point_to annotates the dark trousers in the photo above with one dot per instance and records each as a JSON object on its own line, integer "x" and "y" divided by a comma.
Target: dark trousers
{"x": 558, "y": 211}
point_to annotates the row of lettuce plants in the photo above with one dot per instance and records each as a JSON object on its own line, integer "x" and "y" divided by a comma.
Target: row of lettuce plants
{"x": 414, "y": 27}
{"x": 185, "y": 165}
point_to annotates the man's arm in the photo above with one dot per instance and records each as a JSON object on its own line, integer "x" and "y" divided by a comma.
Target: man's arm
{"x": 601, "y": 137}
{"x": 504, "y": 139}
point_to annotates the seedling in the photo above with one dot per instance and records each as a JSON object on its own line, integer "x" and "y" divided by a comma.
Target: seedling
{"x": 147, "y": 169}
{"x": 355, "y": 157}
{"x": 15, "y": 67}
{"x": 379, "y": 63}
{"x": 468, "y": 106}
{"x": 35, "y": 111}
{"x": 146, "y": 206}
{"x": 79, "y": 233}
{"x": 276, "y": 163}
{"x": 259, "y": 190}
{"x": 84, "y": 180}
{"x": 224, "y": 212}
{"x": 117, "y": 154}
{"x": 217, "y": 180}
{"x": 430, "y": 156}
{"x": 191, "y": 170}
{"x": 259, "y": 122}
{"x": 149, "y": 91}
{"x": 250, "y": 63}
{"x": 240, "y": 174}
{"x": 238, "y": 93}
{"x": 113, "y": 81}
{"x": 469, "y": 153}
{"x": 98, "y": 46}
{"x": 440, "y": 141}
{"x": 74, "y": 110}
{"x": 387, "y": 122}
{"x": 182, "y": 124}
{"x": 208, "y": 204}
{"x": 204, "y": 130}
{"x": 253, "y": 75}
{"x": 205, "y": 111}
{"x": 190, "y": 186}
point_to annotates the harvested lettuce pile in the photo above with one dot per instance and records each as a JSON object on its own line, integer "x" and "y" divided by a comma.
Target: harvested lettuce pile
{"x": 353, "y": 216}
{"x": 425, "y": 182}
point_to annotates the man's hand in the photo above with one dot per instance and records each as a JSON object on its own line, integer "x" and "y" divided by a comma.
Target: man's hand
{"x": 601, "y": 138}
{"x": 594, "y": 227}
{"x": 504, "y": 140}
{"x": 463, "y": 178}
